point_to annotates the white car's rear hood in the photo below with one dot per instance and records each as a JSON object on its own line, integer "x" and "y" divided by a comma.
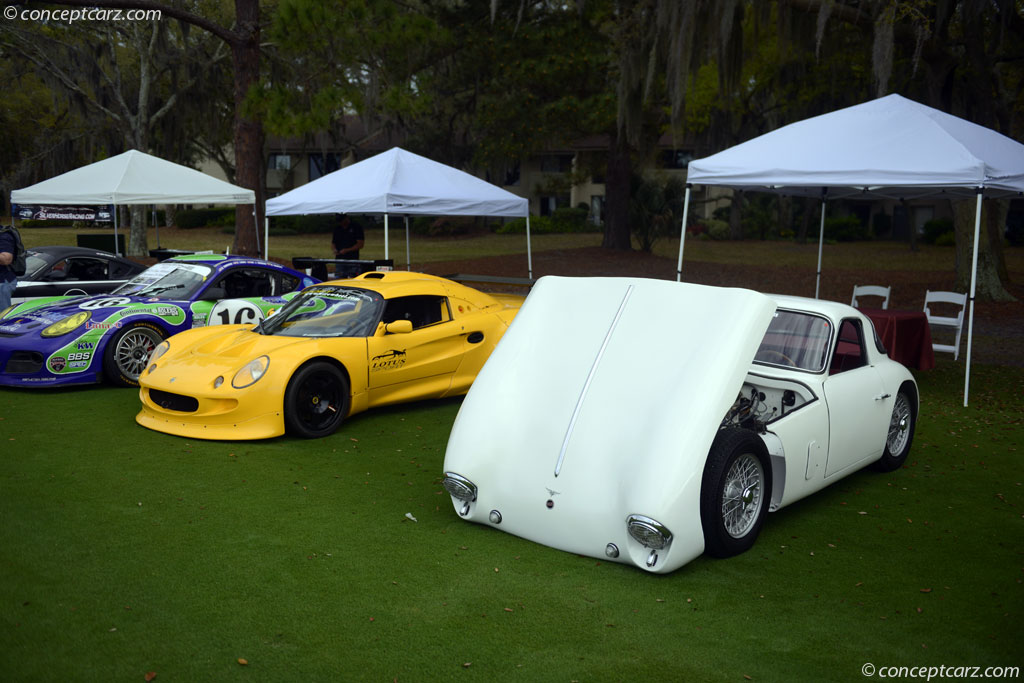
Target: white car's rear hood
{"x": 603, "y": 397}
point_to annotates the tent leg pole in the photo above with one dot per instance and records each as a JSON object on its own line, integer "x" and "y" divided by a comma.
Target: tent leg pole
{"x": 117, "y": 249}
{"x": 266, "y": 236}
{"x": 682, "y": 233}
{"x": 385, "y": 236}
{"x": 821, "y": 242}
{"x": 408, "y": 257}
{"x": 529, "y": 252}
{"x": 974, "y": 281}
{"x": 256, "y": 227}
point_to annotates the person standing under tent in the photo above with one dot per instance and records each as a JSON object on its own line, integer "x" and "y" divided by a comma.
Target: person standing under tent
{"x": 348, "y": 238}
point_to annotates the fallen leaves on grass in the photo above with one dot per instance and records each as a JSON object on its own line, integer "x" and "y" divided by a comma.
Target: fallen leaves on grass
{"x": 243, "y": 662}
{"x": 150, "y": 675}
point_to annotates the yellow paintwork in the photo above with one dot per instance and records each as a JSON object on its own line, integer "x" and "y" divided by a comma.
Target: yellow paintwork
{"x": 431, "y": 362}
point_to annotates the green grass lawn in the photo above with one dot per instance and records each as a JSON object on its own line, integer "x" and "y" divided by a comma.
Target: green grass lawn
{"x": 127, "y": 551}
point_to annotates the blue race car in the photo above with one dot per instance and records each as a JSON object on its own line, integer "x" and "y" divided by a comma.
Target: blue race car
{"x": 80, "y": 340}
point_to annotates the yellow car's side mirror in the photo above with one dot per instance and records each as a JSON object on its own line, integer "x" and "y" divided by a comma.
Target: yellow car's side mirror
{"x": 398, "y": 327}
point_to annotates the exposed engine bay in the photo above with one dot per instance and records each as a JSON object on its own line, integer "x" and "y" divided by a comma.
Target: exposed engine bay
{"x": 762, "y": 400}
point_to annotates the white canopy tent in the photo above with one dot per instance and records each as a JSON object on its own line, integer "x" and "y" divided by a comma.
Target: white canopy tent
{"x": 133, "y": 177}
{"x": 891, "y": 148}
{"x": 400, "y": 182}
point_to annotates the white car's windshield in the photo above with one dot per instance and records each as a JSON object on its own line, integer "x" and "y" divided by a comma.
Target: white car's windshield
{"x": 795, "y": 340}
{"x": 327, "y": 311}
{"x": 167, "y": 280}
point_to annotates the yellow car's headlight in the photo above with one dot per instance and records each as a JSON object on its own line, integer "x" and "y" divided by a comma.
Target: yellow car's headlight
{"x": 160, "y": 350}
{"x": 251, "y": 373}
{"x": 68, "y": 324}
{"x": 7, "y": 310}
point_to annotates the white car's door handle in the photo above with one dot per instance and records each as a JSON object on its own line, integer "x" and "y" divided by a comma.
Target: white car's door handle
{"x": 882, "y": 397}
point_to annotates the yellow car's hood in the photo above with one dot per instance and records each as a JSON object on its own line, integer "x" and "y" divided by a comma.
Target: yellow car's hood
{"x": 225, "y": 349}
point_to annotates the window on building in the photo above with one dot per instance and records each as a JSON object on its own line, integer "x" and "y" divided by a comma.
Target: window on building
{"x": 676, "y": 158}
{"x": 512, "y": 175}
{"x": 548, "y": 203}
{"x": 556, "y": 163}
{"x": 322, "y": 164}
{"x": 597, "y": 209}
{"x": 279, "y": 162}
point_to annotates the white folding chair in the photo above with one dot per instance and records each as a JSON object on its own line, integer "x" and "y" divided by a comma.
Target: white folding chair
{"x": 954, "y": 323}
{"x": 871, "y": 290}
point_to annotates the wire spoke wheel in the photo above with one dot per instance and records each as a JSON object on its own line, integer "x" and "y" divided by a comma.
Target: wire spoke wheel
{"x": 735, "y": 492}
{"x": 742, "y": 495}
{"x": 899, "y": 425}
{"x": 900, "y": 434}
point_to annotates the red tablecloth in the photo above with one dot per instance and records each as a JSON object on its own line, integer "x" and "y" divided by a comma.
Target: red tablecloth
{"x": 906, "y": 336}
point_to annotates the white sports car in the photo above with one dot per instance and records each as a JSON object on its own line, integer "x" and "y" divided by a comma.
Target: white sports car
{"x": 649, "y": 422}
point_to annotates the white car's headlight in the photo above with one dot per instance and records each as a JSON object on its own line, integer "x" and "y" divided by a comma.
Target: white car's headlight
{"x": 648, "y": 532}
{"x": 461, "y": 489}
{"x": 251, "y": 373}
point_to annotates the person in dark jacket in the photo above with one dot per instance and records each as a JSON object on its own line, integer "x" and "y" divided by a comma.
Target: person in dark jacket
{"x": 8, "y": 281}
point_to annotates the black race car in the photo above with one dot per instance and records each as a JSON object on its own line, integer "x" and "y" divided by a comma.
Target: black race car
{"x": 55, "y": 271}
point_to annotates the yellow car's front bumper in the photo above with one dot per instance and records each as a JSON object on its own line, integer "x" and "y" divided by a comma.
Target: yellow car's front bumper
{"x": 244, "y": 417}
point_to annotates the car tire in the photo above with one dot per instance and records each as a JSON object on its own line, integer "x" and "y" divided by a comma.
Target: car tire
{"x": 316, "y": 400}
{"x": 735, "y": 492}
{"x": 128, "y": 352}
{"x": 901, "y": 432}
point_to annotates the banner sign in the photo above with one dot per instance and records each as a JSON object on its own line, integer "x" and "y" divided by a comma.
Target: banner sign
{"x": 96, "y": 214}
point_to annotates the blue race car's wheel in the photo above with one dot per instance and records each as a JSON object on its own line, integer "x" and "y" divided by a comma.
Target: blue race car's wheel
{"x": 316, "y": 400}
{"x": 735, "y": 492}
{"x": 128, "y": 352}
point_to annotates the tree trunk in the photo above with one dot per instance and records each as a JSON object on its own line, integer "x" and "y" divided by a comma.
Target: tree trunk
{"x": 616, "y": 225}
{"x": 137, "y": 243}
{"x": 805, "y": 220}
{"x": 989, "y": 285}
{"x": 248, "y": 132}
{"x": 736, "y": 215}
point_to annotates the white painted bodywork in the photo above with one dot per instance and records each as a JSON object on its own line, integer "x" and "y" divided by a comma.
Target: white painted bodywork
{"x": 605, "y": 394}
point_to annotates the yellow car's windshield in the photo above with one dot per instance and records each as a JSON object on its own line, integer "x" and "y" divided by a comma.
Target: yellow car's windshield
{"x": 327, "y": 311}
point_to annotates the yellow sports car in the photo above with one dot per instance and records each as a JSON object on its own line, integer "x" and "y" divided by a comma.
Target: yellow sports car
{"x": 333, "y": 350}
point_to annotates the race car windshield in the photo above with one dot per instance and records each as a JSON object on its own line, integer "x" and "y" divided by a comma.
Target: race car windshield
{"x": 327, "y": 311}
{"x": 795, "y": 340}
{"x": 167, "y": 281}
{"x": 33, "y": 262}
